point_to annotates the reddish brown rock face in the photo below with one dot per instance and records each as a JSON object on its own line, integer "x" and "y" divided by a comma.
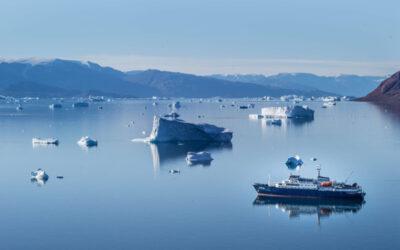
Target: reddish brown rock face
{"x": 387, "y": 92}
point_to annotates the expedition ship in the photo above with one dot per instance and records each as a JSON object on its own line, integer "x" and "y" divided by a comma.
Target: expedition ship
{"x": 320, "y": 188}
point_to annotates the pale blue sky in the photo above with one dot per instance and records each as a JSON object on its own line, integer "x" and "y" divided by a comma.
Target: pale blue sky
{"x": 205, "y": 37}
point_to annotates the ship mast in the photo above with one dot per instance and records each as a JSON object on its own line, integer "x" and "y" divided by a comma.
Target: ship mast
{"x": 319, "y": 170}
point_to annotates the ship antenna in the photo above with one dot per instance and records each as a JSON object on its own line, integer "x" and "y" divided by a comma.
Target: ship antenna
{"x": 319, "y": 170}
{"x": 349, "y": 176}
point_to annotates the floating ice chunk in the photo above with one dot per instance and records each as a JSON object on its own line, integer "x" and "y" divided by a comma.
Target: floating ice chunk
{"x": 55, "y": 106}
{"x": 256, "y": 116}
{"x": 174, "y": 171}
{"x": 277, "y": 122}
{"x": 19, "y": 107}
{"x": 39, "y": 175}
{"x": 289, "y": 112}
{"x": 172, "y": 115}
{"x": 193, "y": 158}
{"x": 328, "y": 104}
{"x": 293, "y": 162}
{"x": 313, "y": 158}
{"x": 155, "y": 104}
{"x": 175, "y": 105}
{"x": 96, "y": 98}
{"x": 85, "y": 141}
{"x": 330, "y": 99}
{"x": 267, "y": 98}
{"x": 47, "y": 141}
{"x": 166, "y": 130}
{"x": 80, "y": 105}
{"x": 143, "y": 132}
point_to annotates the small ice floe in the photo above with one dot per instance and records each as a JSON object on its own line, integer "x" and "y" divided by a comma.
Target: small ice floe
{"x": 313, "y": 159}
{"x": 175, "y": 105}
{"x": 255, "y": 116}
{"x": 328, "y": 104}
{"x": 143, "y": 132}
{"x": 85, "y": 141}
{"x": 174, "y": 171}
{"x": 39, "y": 176}
{"x": 48, "y": 141}
{"x": 19, "y": 107}
{"x": 194, "y": 158}
{"x": 277, "y": 122}
{"x": 172, "y": 115}
{"x": 96, "y": 98}
{"x": 80, "y": 105}
{"x": 55, "y": 106}
{"x": 155, "y": 104}
{"x": 294, "y": 162}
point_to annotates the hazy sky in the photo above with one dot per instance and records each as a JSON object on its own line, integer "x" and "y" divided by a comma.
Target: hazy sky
{"x": 207, "y": 37}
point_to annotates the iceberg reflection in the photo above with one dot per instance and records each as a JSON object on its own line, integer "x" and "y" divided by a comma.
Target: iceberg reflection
{"x": 323, "y": 208}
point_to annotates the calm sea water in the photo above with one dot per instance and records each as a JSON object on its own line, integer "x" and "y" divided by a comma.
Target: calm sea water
{"x": 120, "y": 195}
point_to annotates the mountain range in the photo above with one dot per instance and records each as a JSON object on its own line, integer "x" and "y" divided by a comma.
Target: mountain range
{"x": 346, "y": 85}
{"x": 66, "y": 78}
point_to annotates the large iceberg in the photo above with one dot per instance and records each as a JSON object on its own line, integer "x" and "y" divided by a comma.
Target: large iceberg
{"x": 288, "y": 112}
{"x": 166, "y": 130}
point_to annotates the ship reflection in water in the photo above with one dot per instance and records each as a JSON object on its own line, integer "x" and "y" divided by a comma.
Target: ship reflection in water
{"x": 323, "y": 208}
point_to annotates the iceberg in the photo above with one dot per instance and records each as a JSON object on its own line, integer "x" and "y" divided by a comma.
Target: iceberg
{"x": 47, "y": 141}
{"x": 294, "y": 162}
{"x": 328, "y": 104}
{"x": 166, "y": 130}
{"x": 175, "y": 105}
{"x": 39, "y": 175}
{"x": 55, "y": 106}
{"x": 255, "y": 116}
{"x": 96, "y": 98}
{"x": 85, "y": 141}
{"x": 277, "y": 122}
{"x": 193, "y": 158}
{"x": 80, "y": 105}
{"x": 288, "y": 112}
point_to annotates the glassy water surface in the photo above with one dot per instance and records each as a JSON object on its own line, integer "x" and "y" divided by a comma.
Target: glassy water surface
{"x": 120, "y": 194}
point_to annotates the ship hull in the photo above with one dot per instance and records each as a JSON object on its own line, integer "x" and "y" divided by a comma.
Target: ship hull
{"x": 272, "y": 191}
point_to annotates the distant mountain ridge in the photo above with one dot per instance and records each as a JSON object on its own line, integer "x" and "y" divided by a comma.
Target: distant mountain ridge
{"x": 349, "y": 85}
{"x": 57, "y": 77}
{"x": 387, "y": 92}
{"x": 187, "y": 85}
